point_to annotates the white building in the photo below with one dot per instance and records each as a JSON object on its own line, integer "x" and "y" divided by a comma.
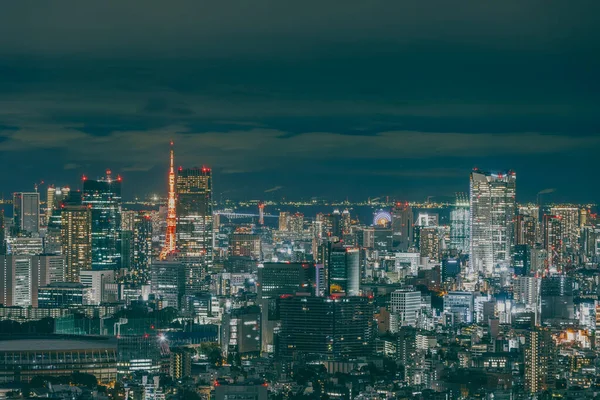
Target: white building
{"x": 97, "y": 280}
{"x": 493, "y": 207}
{"x": 405, "y": 305}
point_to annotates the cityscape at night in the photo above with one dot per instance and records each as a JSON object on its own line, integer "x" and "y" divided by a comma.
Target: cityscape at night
{"x": 299, "y": 200}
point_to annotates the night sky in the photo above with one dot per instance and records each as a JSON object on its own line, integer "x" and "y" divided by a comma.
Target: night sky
{"x": 303, "y": 98}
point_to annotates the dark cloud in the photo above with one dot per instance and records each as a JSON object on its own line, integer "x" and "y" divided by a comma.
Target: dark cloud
{"x": 384, "y": 97}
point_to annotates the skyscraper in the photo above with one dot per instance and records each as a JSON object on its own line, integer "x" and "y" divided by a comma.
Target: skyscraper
{"x": 343, "y": 270}
{"x": 569, "y": 218}
{"x": 402, "y": 226}
{"x": 26, "y": 213}
{"x": 195, "y": 222}
{"x": 539, "y": 360}
{"x": 553, "y": 241}
{"x": 493, "y": 207}
{"x": 459, "y": 224}
{"x": 76, "y": 239}
{"x": 104, "y": 198}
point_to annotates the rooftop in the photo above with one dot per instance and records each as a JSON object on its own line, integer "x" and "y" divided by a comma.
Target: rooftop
{"x": 41, "y": 344}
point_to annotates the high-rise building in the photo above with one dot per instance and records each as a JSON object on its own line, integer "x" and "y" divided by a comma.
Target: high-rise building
{"x": 526, "y": 291}
{"x": 556, "y": 293}
{"x": 142, "y": 247}
{"x": 76, "y": 238}
{"x": 343, "y": 270}
{"x": 55, "y": 199}
{"x": 526, "y": 228}
{"x": 405, "y": 305}
{"x": 539, "y": 360}
{"x": 194, "y": 230}
{"x": 569, "y": 218}
{"x": 26, "y": 213}
{"x": 278, "y": 280}
{"x": 521, "y": 259}
{"x": 430, "y": 243}
{"x": 167, "y": 279}
{"x": 553, "y": 241}
{"x": 402, "y": 226}
{"x": 103, "y": 196}
{"x": 459, "y": 224}
{"x": 493, "y": 207}
{"x": 339, "y": 327}
{"x": 22, "y": 275}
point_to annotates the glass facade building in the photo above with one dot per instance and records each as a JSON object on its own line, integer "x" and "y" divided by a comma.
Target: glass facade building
{"x": 492, "y": 214}
{"x": 103, "y": 196}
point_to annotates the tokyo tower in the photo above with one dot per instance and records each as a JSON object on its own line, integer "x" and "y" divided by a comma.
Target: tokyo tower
{"x": 171, "y": 213}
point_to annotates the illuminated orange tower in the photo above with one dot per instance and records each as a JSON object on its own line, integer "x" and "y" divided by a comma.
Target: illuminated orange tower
{"x": 171, "y": 213}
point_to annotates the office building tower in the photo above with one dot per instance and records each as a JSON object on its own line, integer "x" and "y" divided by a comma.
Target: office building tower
{"x": 126, "y": 243}
{"x": 277, "y": 280}
{"x": 334, "y": 327}
{"x": 405, "y": 305}
{"x": 570, "y": 228}
{"x": 521, "y": 259}
{"x": 26, "y": 213}
{"x": 526, "y": 291}
{"x": 194, "y": 229}
{"x": 242, "y": 333}
{"x": 430, "y": 243}
{"x": 52, "y": 268}
{"x": 460, "y": 304}
{"x": 383, "y": 239}
{"x": 22, "y": 275}
{"x": 539, "y": 360}
{"x": 167, "y": 282}
{"x": 402, "y": 226}
{"x": 553, "y": 242}
{"x": 96, "y": 281}
{"x": 343, "y": 270}
{"x": 142, "y": 247}
{"x": 55, "y": 199}
{"x": 103, "y": 196}
{"x": 244, "y": 245}
{"x": 76, "y": 239}
{"x": 526, "y": 229}
{"x": 556, "y": 293}
{"x": 459, "y": 224}
{"x": 492, "y": 208}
